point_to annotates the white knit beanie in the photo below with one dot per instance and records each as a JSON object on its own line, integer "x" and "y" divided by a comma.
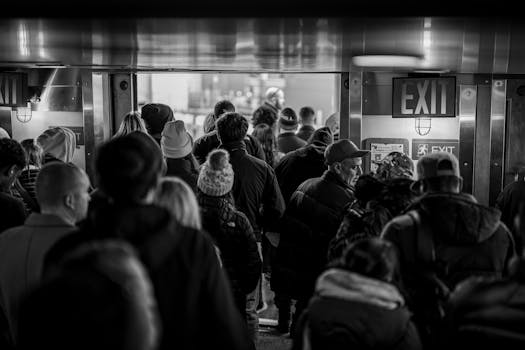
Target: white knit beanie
{"x": 216, "y": 174}
{"x": 175, "y": 142}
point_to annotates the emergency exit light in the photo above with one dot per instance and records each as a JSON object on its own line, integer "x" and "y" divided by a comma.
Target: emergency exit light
{"x": 403, "y": 61}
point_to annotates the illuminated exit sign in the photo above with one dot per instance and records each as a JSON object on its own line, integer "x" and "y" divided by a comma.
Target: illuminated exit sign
{"x": 13, "y": 90}
{"x": 424, "y": 97}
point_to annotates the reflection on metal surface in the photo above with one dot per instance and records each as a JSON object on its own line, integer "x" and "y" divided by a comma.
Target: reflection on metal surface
{"x": 89, "y": 122}
{"x": 467, "y": 119}
{"x": 497, "y": 138}
{"x": 356, "y": 106}
{"x": 470, "y": 45}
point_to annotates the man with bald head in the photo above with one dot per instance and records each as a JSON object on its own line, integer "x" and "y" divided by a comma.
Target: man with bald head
{"x": 62, "y": 192}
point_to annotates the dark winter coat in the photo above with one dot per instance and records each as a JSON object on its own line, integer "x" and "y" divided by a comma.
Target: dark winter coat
{"x": 305, "y": 132}
{"x": 509, "y": 202}
{"x": 312, "y": 218}
{"x": 193, "y": 295}
{"x": 13, "y": 212}
{"x": 469, "y": 238}
{"x": 288, "y": 142}
{"x": 487, "y": 313}
{"x": 210, "y": 141}
{"x": 255, "y": 189}
{"x": 356, "y": 313}
{"x": 234, "y": 236}
{"x": 185, "y": 169}
{"x": 368, "y": 221}
{"x": 298, "y": 166}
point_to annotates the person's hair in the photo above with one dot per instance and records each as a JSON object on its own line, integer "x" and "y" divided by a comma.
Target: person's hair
{"x": 129, "y": 167}
{"x": 99, "y": 297}
{"x": 371, "y": 257}
{"x": 178, "y": 198}
{"x": 263, "y": 115}
{"x": 11, "y": 153}
{"x": 34, "y": 152}
{"x": 266, "y": 137}
{"x": 55, "y": 180}
{"x": 307, "y": 114}
{"x": 367, "y": 188}
{"x": 209, "y": 123}
{"x": 222, "y": 107}
{"x": 442, "y": 184}
{"x": 131, "y": 122}
{"x": 232, "y": 127}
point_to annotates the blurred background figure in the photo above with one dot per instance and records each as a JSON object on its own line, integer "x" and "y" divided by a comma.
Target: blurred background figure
{"x": 307, "y": 116}
{"x": 131, "y": 122}
{"x": 510, "y": 200}
{"x": 176, "y": 145}
{"x": 287, "y": 141}
{"x": 178, "y": 198}
{"x": 265, "y": 135}
{"x": 27, "y": 177}
{"x": 274, "y": 99}
{"x": 100, "y": 297}
{"x": 333, "y": 123}
{"x": 58, "y": 143}
{"x": 4, "y": 134}
{"x": 155, "y": 116}
{"x": 357, "y": 304}
{"x": 12, "y": 162}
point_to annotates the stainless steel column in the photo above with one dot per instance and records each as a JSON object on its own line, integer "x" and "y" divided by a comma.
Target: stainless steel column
{"x": 356, "y": 106}
{"x": 497, "y": 138}
{"x": 344, "y": 106}
{"x": 482, "y": 144}
{"x": 124, "y": 96}
{"x": 89, "y": 125}
{"x": 467, "y": 120}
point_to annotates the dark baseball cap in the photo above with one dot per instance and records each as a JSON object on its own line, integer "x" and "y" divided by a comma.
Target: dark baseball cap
{"x": 437, "y": 164}
{"x": 341, "y": 150}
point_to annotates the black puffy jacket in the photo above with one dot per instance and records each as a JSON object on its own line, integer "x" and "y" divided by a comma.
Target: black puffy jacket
{"x": 234, "y": 236}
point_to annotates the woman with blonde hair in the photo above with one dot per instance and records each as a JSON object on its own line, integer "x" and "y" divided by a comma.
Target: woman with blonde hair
{"x": 131, "y": 122}
{"x": 175, "y": 195}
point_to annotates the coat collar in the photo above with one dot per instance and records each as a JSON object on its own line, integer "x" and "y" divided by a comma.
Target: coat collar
{"x": 47, "y": 220}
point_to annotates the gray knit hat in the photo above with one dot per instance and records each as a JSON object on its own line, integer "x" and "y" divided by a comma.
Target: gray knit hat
{"x": 216, "y": 174}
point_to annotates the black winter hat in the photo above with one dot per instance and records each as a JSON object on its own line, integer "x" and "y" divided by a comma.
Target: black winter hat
{"x": 156, "y": 115}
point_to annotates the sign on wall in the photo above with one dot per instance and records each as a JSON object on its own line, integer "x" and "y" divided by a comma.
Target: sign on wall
{"x": 421, "y": 147}
{"x": 13, "y": 90}
{"x": 380, "y": 148}
{"x": 424, "y": 97}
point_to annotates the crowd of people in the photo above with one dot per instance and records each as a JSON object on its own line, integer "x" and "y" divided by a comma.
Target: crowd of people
{"x": 171, "y": 243}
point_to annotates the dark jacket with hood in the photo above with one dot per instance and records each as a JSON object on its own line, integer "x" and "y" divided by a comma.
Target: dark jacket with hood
{"x": 488, "y": 312}
{"x": 193, "y": 295}
{"x": 351, "y": 311}
{"x": 312, "y": 218}
{"x": 469, "y": 239}
{"x": 288, "y": 142}
{"x": 298, "y": 166}
{"x": 207, "y": 143}
{"x": 255, "y": 189}
{"x": 185, "y": 169}
{"x": 234, "y": 236}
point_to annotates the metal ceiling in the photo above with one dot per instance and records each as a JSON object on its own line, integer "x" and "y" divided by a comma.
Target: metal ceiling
{"x": 451, "y": 44}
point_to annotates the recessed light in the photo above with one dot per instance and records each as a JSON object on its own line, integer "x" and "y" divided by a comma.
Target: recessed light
{"x": 387, "y": 61}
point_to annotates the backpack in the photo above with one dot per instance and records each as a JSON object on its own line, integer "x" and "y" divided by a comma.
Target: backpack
{"x": 432, "y": 292}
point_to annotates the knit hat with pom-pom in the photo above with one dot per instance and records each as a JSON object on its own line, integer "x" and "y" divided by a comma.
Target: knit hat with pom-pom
{"x": 216, "y": 174}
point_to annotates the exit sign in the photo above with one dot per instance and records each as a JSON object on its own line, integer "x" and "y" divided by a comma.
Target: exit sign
{"x": 424, "y": 97}
{"x": 13, "y": 90}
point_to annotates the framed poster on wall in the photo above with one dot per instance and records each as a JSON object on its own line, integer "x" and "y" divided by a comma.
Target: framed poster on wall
{"x": 379, "y": 148}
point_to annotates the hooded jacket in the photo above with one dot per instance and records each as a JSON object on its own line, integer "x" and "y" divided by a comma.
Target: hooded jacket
{"x": 193, "y": 295}
{"x": 351, "y": 311}
{"x": 207, "y": 143}
{"x": 234, "y": 236}
{"x": 469, "y": 239}
{"x": 298, "y": 166}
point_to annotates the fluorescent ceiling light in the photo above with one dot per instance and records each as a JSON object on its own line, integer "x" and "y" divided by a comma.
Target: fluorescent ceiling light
{"x": 387, "y": 61}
